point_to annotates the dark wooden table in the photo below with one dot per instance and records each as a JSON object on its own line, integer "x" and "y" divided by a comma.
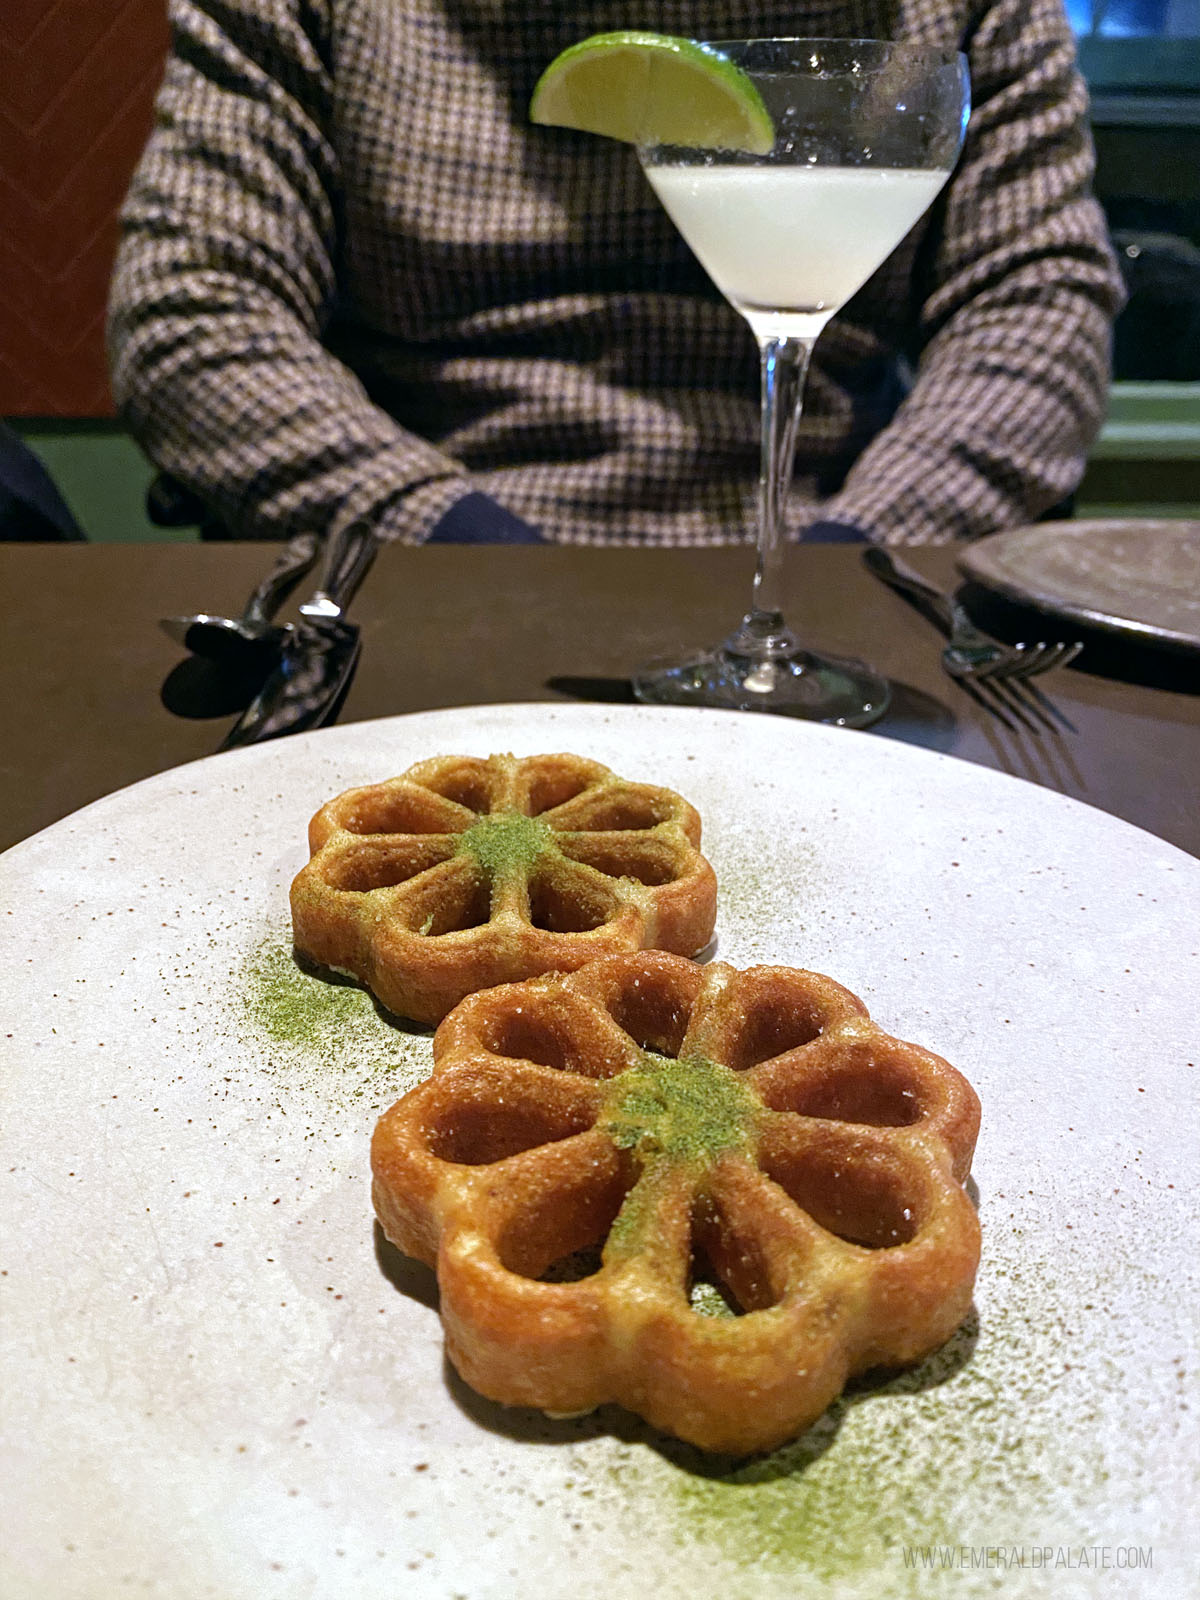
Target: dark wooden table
{"x": 83, "y": 663}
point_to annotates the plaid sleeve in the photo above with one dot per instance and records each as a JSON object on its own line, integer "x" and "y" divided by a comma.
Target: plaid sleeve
{"x": 1013, "y": 370}
{"x": 225, "y": 281}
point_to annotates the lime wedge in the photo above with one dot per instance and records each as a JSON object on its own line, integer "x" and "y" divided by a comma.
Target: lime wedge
{"x": 649, "y": 88}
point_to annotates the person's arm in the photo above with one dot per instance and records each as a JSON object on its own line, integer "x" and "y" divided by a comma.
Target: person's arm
{"x": 225, "y": 281}
{"x": 1013, "y": 371}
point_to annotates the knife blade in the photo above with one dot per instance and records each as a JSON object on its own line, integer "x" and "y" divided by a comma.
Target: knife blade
{"x": 318, "y": 654}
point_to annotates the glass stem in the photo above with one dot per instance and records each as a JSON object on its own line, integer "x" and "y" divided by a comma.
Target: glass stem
{"x": 784, "y": 368}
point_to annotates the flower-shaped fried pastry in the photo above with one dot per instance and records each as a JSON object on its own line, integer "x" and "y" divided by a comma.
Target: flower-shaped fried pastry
{"x": 463, "y": 873}
{"x": 708, "y": 1195}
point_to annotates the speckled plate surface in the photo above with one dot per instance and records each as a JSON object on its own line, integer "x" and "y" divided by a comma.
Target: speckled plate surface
{"x": 217, "y": 1382}
{"x": 1140, "y": 578}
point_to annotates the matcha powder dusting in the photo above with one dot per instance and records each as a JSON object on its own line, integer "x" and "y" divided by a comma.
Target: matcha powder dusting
{"x": 685, "y": 1110}
{"x": 320, "y": 1031}
{"x": 507, "y": 843}
{"x": 990, "y": 1441}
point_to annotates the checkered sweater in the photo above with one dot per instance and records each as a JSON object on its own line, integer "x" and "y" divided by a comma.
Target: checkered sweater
{"x": 356, "y": 281}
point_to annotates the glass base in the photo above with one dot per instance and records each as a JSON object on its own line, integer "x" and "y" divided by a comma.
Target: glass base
{"x": 792, "y": 684}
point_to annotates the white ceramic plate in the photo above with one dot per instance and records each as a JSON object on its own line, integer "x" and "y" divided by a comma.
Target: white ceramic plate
{"x": 1137, "y": 578}
{"x": 216, "y": 1383}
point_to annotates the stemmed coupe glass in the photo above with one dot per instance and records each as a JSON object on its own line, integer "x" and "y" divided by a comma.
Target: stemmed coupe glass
{"x": 866, "y": 134}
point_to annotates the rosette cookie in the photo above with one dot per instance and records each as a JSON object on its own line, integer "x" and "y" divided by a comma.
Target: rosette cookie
{"x": 463, "y": 873}
{"x": 710, "y": 1196}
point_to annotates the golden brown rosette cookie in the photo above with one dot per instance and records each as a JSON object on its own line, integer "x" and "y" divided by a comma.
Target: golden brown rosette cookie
{"x": 708, "y": 1195}
{"x": 463, "y": 873}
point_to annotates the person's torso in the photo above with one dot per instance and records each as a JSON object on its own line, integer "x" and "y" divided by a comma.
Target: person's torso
{"x": 517, "y": 293}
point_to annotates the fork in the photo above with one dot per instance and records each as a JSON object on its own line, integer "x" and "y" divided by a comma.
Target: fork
{"x": 970, "y": 654}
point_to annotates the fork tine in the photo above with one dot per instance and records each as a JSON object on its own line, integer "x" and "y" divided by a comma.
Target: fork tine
{"x": 1044, "y": 658}
{"x": 1057, "y": 655}
{"x": 1020, "y": 661}
{"x": 1031, "y": 661}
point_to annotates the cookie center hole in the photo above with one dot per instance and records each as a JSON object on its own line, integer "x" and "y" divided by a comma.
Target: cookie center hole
{"x": 529, "y": 1038}
{"x": 862, "y": 1197}
{"x": 477, "y": 1133}
{"x": 550, "y": 789}
{"x": 622, "y": 812}
{"x": 450, "y": 907}
{"x": 567, "y": 907}
{"x": 773, "y": 1027}
{"x": 556, "y": 1236}
{"x": 648, "y": 861}
{"x": 876, "y": 1091}
{"x": 574, "y": 1268}
{"x": 366, "y": 866}
{"x": 708, "y": 1296}
{"x": 395, "y": 811}
{"x": 467, "y": 786}
{"x": 729, "y": 1272}
{"x": 653, "y": 1016}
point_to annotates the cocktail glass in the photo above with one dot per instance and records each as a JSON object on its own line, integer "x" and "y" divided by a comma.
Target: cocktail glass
{"x": 866, "y": 134}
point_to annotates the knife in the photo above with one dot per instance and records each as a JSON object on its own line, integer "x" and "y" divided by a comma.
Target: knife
{"x": 318, "y": 654}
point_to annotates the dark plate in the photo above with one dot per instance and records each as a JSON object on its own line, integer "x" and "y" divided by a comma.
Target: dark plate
{"x": 1132, "y": 577}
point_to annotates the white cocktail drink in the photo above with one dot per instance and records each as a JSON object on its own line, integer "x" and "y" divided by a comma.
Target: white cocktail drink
{"x": 841, "y": 147}
{"x": 789, "y": 245}
{"x": 793, "y": 168}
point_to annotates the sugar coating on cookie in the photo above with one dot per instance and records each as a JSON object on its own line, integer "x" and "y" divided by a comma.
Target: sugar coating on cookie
{"x": 708, "y": 1195}
{"x": 465, "y": 872}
